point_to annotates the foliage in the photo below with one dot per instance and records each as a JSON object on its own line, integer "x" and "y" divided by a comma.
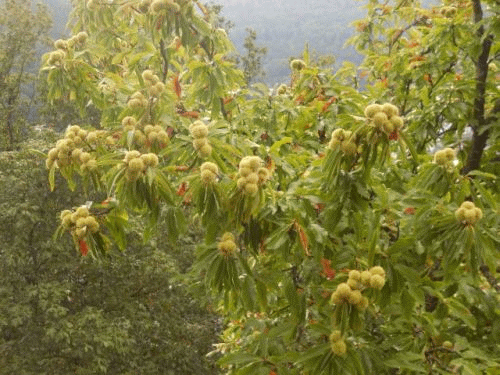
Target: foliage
{"x": 217, "y": 19}
{"x": 126, "y": 315}
{"x": 23, "y": 28}
{"x": 334, "y": 241}
{"x": 57, "y": 114}
{"x": 252, "y": 60}
{"x": 316, "y": 59}
{"x": 445, "y": 81}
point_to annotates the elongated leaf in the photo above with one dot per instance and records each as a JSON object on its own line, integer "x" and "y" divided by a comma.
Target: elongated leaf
{"x": 52, "y": 172}
{"x": 277, "y": 145}
{"x": 461, "y": 312}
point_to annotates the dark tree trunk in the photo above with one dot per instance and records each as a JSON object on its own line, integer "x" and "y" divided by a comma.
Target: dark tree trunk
{"x": 479, "y": 133}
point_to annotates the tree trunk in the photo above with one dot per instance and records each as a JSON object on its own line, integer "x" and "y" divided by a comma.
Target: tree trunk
{"x": 479, "y": 133}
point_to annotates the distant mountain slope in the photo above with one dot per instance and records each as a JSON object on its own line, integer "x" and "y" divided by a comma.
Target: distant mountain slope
{"x": 59, "y": 9}
{"x": 284, "y": 26}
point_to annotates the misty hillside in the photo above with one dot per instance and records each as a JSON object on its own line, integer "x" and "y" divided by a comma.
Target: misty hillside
{"x": 284, "y": 27}
{"x": 59, "y": 9}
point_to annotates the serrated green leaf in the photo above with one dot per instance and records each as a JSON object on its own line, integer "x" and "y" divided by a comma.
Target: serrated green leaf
{"x": 52, "y": 176}
{"x": 274, "y": 150}
{"x": 461, "y": 312}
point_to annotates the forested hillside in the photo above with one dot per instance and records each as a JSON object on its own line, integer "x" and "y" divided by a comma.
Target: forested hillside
{"x": 285, "y": 26}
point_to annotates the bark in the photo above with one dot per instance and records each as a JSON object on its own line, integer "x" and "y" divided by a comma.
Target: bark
{"x": 479, "y": 133}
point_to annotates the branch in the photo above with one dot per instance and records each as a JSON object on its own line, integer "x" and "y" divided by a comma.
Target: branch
{"x": 491, "y": 279}
{"x": 443, "y": 74}
{"x": 164, "y": 55}
{"x": 402, "y": 31}
{"x": 204, "y": 10}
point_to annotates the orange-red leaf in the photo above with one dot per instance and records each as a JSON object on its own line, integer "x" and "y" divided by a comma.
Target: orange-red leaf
{"x": 181, "y": 168}
{"x": 319, "y": 207}
{"x": 303, "y": 238}
{"x": 409, "y": 210}
{"x": 178, "y": 44}
{"x": 84, "y": 249}
{"x": 182, "y": 189}
{"x": 177, "y": 86}
{"x": 394, "y": 135}
{"x": 270, "y": 163}
{"x": 299, "y": 99}
{"x": 190, "y": 114}
{"x": 328, "y": 104}
{"x": 328, "y": 272}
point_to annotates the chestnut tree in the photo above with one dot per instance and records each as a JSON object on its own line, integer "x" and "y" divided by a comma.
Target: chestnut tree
{"x": 350, "y": 217}
{"x": 24, "y": 27}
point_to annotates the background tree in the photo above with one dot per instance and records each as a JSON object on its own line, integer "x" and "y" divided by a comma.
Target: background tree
{"x": 24, "y": 28}
{"x": 327, "y": 223}
{"x": 219, "y": 20}
{"x": 251, "y": 61}
{"x": 125, "y": 314}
